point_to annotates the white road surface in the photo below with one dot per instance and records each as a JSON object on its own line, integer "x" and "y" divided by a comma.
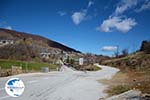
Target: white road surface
{"x": 65, "y": 85}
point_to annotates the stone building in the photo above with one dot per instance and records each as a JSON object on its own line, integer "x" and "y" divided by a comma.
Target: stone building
{"x": 6, "y": 42}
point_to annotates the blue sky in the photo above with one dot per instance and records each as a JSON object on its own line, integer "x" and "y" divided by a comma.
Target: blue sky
{"x": 96, "y": 26}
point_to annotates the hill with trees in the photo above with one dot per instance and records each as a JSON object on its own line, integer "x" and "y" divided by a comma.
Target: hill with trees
{"x": 24, "y": 46}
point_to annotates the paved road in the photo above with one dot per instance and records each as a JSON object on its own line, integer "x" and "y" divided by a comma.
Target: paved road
{"x": 65, "y": 85}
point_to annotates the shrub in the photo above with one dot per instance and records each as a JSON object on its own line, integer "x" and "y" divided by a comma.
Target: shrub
{"x": 145, "y": 47}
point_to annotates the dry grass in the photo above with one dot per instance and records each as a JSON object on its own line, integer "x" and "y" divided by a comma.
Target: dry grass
{"x": 140, "y": 81}
{"x": 118, "y": 90}
{"x": 122, "y": 82}
{"x": 118, "y": 79}
{"x": 117, "y": 85}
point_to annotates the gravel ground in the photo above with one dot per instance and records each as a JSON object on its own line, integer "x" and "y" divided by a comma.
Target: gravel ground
{"x": 65, "y": 85}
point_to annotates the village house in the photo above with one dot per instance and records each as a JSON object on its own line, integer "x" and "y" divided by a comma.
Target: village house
{"x": 6, "y": 42}
{"x": 45, "y": 55}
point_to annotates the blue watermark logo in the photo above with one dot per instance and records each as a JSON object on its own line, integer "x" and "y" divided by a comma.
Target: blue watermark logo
{"x": 14, "y": 87}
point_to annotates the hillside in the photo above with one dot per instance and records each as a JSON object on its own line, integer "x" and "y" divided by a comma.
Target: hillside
{"x": 25, "y": 46}
{"x": 11, "y": 34}
{"x": 137, "y": 61}
{"x": 134, "y": 72}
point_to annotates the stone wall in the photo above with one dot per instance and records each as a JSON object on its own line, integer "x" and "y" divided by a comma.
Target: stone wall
{"x": 16, "y": 70}
{"x": 13, "y": 71}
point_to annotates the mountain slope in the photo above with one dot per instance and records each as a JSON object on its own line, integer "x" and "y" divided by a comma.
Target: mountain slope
{"x": 11, "y": 34}
{"x": 23, "y": 46}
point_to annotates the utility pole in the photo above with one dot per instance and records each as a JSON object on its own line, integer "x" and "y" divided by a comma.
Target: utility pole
{"x": 117, "y": 51}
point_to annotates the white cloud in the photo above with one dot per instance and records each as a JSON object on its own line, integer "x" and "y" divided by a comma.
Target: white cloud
{"x": 90, "y": 3}
{"x": 145, "y": 6}
{"x": 125, "y": 25}
{"x": 8, "y": 27}
{"x": 62, "y": 13}
{"x": 125, "y": 5}
{"x": 78, "y": 17}
{"x": 118, "y": 23}
{"x": 109, "y": 48}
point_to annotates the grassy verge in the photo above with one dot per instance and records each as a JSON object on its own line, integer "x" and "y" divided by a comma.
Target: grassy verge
{"x": 118, "y": 90}
{"x": 117, "y": 85}
{"x": 6, "y": 64}
{"x": 91, "y": 67}
{"x": 122, "y": 82}
{"x": 96, "y": 68}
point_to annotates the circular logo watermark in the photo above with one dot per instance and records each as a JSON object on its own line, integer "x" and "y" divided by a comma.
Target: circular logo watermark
{"x": 14, "y": 87}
